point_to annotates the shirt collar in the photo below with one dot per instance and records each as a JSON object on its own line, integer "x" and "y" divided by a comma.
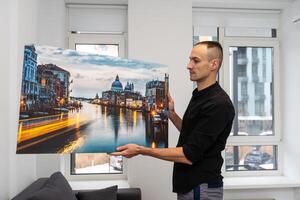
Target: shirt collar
{"x": 206, "y": 90}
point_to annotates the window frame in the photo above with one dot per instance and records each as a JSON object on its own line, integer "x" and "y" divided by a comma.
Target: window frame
{"x": 114, "y": 39}
{"x": 224, "y": 78}
{"x": 80, "y": 177}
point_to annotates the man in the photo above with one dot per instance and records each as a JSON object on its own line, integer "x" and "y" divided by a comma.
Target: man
{"x": 204, "y": 129}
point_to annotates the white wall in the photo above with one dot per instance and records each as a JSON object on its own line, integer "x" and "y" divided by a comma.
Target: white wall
{"x": 290, "y": 68}
{"x": 23, "y": 22}
{"x": 51, "y": 27}
{"x": 51, "y": 23}
{"x": 276, "y": 194}
{"x": 5, "y": 7}
{"x": 22, "y": 29}
{"x": 160, "y": 31}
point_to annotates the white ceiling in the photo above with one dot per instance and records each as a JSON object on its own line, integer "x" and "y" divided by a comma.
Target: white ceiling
{"x": 105, "y": 2}
{"x": 244, "y": 4}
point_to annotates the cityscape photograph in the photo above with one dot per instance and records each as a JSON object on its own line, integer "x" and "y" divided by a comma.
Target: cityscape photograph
{"x": 77, "y": 102}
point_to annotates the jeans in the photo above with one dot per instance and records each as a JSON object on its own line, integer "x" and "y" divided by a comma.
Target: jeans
{"x": 204, "y": 191}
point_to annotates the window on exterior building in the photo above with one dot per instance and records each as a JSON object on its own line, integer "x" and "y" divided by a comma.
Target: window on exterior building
{"x": 97, "y": 163}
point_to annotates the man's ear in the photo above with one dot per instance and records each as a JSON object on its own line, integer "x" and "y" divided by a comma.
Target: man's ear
{"x": 214, "y": 63}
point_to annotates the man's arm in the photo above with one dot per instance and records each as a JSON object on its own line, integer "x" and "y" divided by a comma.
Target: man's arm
{"x": 176, "y": 120}
{"x": 168, "y": 154}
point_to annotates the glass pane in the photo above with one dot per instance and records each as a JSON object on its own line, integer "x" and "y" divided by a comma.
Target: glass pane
{"x": 200, "y": 38}
{"x": 101, "y": 49}
{"x": 253, "y": 158}
{"x": 252, "y": 90}
{"x": 205, "y": 33}
{"x": 97, "y": 163}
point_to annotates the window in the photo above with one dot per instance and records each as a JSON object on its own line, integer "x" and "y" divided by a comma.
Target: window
{"x": 205, "y": 33}
{"x": 97, "y": 163}
{"x": 247, "y": 157}
{"x": 249, "y": 75}
{"x": 101, "y": 49}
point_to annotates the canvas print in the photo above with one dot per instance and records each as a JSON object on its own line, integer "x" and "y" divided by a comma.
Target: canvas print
{"x": 77, "y": 102}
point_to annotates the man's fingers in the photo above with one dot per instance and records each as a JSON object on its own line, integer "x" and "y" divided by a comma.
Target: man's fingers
{"x": 116, "y": 154}
{"x": 169, "y": 97}
{"x": 120, "y": 153}
{"x": 128, "y": 151}
{"x": 122, "y": 148}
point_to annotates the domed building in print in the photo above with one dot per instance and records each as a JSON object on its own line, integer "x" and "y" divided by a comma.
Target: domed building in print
{"x": 117, "y": 96}
{"x": 129, "y": 87}
{"x": 117, "y": 86}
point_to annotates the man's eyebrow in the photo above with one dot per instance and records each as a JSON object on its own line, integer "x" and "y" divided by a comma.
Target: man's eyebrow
{"x": 194, "y": 57}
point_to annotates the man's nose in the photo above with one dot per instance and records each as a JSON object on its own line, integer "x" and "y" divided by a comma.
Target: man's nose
{"x": 189, "y": 66}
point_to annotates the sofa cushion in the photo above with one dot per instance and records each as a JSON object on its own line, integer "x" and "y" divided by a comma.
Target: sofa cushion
{"x": 55, "y": 188}
{"x": 109, "y": 193}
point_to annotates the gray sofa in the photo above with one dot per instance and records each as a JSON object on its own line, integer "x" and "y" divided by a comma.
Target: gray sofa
{"x": 122, "y": 193}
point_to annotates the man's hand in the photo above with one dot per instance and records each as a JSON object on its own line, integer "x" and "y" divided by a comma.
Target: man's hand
{"x": 169, "y": 154}
{"x": 176, "y": 120}
{"x": 128, "y": 150}
{"x": 171, "y": 103}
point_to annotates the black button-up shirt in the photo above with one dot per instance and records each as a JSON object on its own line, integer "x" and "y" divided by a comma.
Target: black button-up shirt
{"x": 206, "y": 125}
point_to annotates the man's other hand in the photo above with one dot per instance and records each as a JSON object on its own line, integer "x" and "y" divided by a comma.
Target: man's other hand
{"x": 128, "y": 150}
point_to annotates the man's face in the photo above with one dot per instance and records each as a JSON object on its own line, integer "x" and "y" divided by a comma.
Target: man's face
{"x": 199, "y": 64}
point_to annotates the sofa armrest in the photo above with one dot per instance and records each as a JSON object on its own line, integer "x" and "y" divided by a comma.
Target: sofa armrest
{"x": 122, "y": 193}
{"x": 35, "y": 186}
{"x": 129, "y": 194}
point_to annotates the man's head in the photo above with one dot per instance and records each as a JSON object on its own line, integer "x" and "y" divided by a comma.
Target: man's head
{"x": 205, "y": 61}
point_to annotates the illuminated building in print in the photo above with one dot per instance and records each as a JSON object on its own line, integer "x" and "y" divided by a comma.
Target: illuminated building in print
{"x": 29, "y": 88}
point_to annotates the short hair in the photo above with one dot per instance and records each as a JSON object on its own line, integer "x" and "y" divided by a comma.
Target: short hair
{"x": 213, "y": 45}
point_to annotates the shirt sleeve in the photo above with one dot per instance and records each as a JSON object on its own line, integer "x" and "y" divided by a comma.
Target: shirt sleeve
{"x": 206, "y": 132}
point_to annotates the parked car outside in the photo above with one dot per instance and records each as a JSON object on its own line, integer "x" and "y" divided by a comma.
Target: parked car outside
{"x": 116, "y": 162}
{"x": 255, "y": 160}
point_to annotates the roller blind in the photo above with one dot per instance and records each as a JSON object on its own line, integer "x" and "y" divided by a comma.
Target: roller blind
{"x": 235, "y": 18}
{"x": 97, "y": 18}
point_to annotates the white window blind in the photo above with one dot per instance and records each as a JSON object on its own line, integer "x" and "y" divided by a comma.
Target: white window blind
{"x": 97, "y": 18}
{"x": 248, "y": 32}
{"x": 205, "y": 31}
{"x": 235, "y": 18}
